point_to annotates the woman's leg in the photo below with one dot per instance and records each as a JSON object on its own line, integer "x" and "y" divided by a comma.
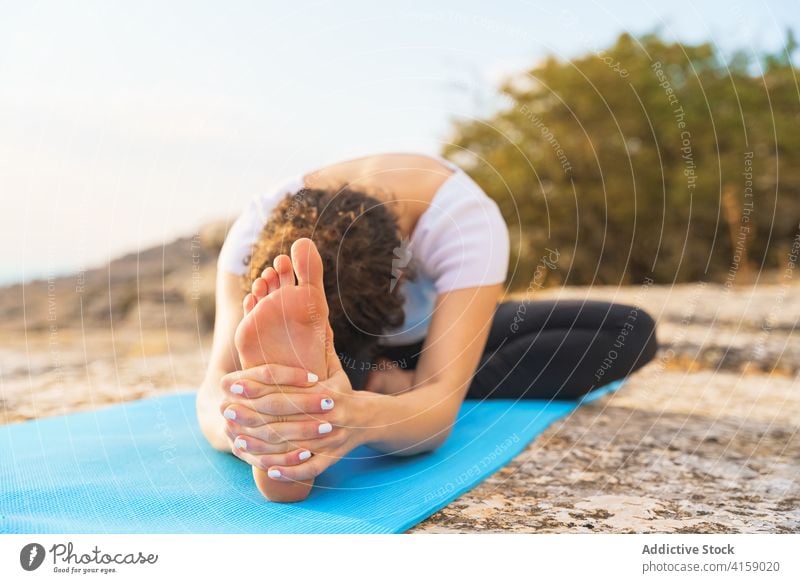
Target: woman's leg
{"x": 561, "y": 349}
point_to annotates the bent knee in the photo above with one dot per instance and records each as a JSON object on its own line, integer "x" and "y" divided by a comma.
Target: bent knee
{"x": 639, "y": 330}
{"x": 644, "y": 332}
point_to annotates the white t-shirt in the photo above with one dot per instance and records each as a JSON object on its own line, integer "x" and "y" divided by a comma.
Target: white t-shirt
{"x": 460, "y": 241}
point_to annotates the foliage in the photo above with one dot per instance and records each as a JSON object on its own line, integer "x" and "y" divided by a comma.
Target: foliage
{"x": 630, "y": 163}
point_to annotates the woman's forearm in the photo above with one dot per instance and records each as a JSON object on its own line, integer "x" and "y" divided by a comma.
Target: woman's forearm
{"x": 210, "y": 419}
{"x": 412, "y": 422}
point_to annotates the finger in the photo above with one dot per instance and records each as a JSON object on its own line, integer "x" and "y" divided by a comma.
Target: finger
{"x": 304, "y": 471}
{"x": 241, "y": 417}
{"x": 249, "y": 303}
{"x": 285, "y": 404}
{"x": 288, "y": 431}
{"x": 264, "y": 461}
{"x": 328, "y": 442}
{"x": 244, "y": 416}
{"x": 325, "y": 442}
{"x": 253, "y": 446}
{"x": 259, "y": 288}
{"x": 283, "y": 265}
{"x": 247, "y": 391}
{"x": 239, "y": 438}
{"x": 294, "y": 430}
{"x": 290, "y": 459}
{"x": 254, "y": 381}
{"x": 271, "y": 277}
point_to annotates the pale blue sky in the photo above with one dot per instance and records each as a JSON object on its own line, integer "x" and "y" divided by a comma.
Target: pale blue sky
{"x": 124, "y": 124}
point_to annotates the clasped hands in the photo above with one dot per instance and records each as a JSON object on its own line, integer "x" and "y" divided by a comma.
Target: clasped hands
{"x": 284, "y": 421}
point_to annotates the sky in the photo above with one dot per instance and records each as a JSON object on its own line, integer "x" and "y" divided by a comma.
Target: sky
{"x": 127, "y": 124}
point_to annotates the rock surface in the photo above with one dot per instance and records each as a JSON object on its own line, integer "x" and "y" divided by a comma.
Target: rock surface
{"x": 704, "y": 439}
{"x": 713, "y": 452}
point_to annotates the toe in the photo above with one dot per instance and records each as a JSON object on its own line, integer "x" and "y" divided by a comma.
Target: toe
{"x": 259, "y": 288}
{"x": 307, "y": 262}
{"x": 283, "y": 265}
{"x": 271, "y": 277}
{"x": 249, "y": 303}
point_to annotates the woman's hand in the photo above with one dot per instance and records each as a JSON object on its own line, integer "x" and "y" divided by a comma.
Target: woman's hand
{"x": 279, "y": 421}
{"x": 258, "y": 401}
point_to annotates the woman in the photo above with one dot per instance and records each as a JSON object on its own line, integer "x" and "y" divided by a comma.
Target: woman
{"x": 382, "y": 320}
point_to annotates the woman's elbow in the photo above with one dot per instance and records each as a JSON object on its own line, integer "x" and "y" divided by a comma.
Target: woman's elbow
{"x": 427, "y": 446}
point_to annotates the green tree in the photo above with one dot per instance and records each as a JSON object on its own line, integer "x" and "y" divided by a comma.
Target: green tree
{"x": 631, "y": 163}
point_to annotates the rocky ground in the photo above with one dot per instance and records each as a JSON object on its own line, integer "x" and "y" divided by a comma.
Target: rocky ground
{"x": 704, "y": 439}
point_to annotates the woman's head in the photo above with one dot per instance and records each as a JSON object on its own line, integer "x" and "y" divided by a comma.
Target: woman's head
{"x": 357, "y": 237}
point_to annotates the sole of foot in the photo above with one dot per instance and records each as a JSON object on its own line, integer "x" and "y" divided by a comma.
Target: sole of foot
{"x": 285, "y": 322}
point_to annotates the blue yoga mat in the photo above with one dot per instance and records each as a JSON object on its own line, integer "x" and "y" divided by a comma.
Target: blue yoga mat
{"x": 144, "y": 467}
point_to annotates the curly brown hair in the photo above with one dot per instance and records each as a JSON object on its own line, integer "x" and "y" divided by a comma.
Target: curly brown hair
{"x": 357, "y": 236}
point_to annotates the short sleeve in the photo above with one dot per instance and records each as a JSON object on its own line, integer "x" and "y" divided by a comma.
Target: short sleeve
{"x": 243, "y": 234}
{"x": 466, "y": 242}
{"x": 239, "y": 242}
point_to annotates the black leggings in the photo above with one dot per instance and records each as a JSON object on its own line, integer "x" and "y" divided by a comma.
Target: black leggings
{"x": 547, "y": 350}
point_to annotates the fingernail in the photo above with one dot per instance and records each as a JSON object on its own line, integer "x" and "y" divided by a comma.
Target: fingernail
{"x": 304, "y": 455}
{"x": 237, "y": 389}
{"x": 229, "y": 414}
{"x": 274, "y": 473}
{"x": 312, "y": 378}
{"x": 325, "y": 428}
{"x": 240, "y": 443}
{"x": 326, "y": 404}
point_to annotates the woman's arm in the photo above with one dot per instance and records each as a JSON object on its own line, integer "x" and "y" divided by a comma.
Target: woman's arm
{"x": 417, "y": 420}
{"x": 223, "y": 359}
{"x": 420, "y": 419}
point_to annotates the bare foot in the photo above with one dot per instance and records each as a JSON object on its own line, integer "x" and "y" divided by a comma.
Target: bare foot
{"x": 286, "y": 323}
